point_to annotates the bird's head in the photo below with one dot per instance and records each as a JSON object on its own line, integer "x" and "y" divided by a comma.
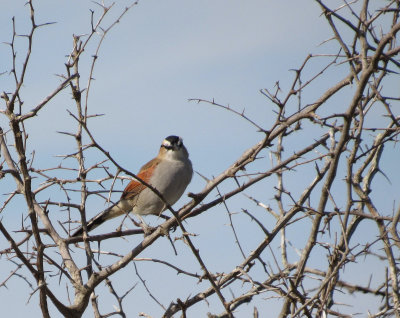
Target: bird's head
{"x": 172, "y": 147}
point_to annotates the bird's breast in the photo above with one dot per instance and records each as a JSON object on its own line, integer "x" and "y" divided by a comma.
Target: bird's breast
{"x": 170, "y": 178}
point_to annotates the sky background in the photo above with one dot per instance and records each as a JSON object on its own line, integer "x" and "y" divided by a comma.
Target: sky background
{"x": 161, "y": 54}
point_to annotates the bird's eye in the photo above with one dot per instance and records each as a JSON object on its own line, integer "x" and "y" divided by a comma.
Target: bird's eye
{"x": 167, "y": 145}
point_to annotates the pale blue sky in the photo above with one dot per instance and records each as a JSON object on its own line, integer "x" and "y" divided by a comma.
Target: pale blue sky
{"x": 160, "y": 55}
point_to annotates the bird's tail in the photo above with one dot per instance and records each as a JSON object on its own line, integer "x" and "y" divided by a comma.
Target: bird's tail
{"x": 113, "y": 211}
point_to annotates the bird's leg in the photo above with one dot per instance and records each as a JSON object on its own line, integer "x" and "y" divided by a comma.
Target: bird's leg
{"x": 146, "y": 228}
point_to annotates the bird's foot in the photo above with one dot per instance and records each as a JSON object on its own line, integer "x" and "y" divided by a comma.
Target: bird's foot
{"x": 147, "y": 229}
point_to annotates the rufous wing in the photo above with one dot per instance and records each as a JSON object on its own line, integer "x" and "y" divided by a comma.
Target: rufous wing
{"x": 135, "y": 187}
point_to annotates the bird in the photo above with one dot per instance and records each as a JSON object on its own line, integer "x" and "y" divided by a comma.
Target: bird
{"x": 169, "y": 173}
